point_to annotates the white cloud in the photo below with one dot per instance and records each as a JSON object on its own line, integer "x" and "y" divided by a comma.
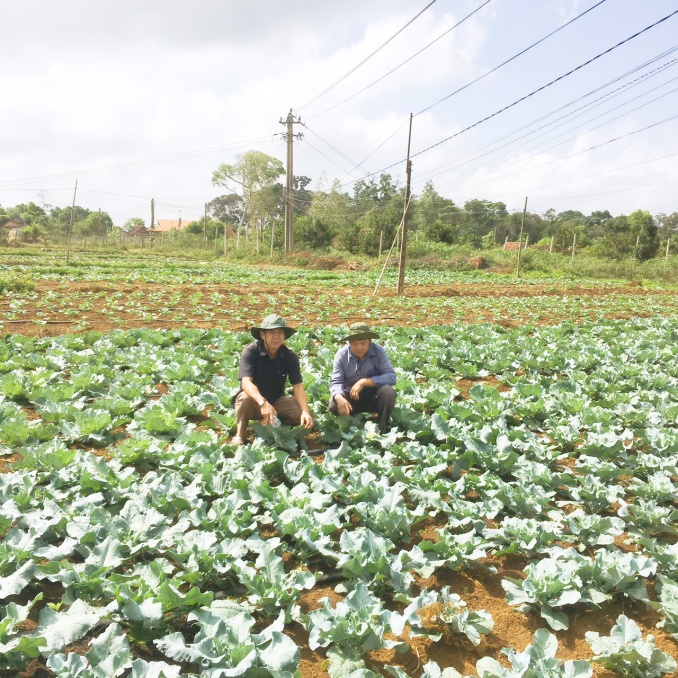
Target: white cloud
{"x": 123, "y": 84}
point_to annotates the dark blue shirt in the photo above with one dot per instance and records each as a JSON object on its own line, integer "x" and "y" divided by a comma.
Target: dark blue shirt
{"x": 269, "y": 376}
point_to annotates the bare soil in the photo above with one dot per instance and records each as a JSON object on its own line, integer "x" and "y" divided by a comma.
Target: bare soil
{"x": 55, "y": 320}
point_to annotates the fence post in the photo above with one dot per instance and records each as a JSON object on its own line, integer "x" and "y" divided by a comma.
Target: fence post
{"x": 574, "y": 244}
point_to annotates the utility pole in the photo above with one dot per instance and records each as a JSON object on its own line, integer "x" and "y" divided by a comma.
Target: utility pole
{"x": 289, "y": 136}
{"x": 403, "y": 241}
{"x": 70, "y": 225}
{"x": 152, "y": 225}
{"x": 520, "y": 239}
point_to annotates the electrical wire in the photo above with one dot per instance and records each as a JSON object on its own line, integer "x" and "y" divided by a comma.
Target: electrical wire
{"x": 138, "y": 164}
{"x": 557, "y": 122}
{"x": 402, "y": 63}
{"x": 543, "y": 87}
{"x": 591, "y": 148}
{"x": 366, "y": 59}
{"x": 515, "y": 56}
{"x": 527, "y": 96}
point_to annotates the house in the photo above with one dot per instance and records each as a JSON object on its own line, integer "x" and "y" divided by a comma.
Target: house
{"x": 138, "y": 232}
{"x": 169, "y": 225}
{"x": 15, "y": 225}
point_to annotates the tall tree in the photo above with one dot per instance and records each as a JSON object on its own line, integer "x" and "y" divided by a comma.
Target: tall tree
{"x": 61, "y": 219}
{"x": 480, "y": 218}
{"x": 96, "y": 224}
{"x": 436, "y": 217}
{"x": 667, "y": 224}
{"x": 254, "y": 174}
{"x": 643, "y": 226}
{"x": 227, "y": 209}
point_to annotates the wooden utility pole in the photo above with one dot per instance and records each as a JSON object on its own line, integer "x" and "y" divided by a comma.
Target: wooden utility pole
{"x": 289, "y": 135}
{"x": 520, "y": 239}
{"x": 70, "y": 225}
{"x": 403, "y": 241}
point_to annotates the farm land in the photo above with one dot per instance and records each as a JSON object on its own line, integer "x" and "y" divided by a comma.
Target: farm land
{"x": 525, "y": 496}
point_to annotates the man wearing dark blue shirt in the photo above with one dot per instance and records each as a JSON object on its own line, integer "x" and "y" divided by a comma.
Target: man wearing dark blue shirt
{"x": 363, "y": 377}
{"x": 265, "y": 366}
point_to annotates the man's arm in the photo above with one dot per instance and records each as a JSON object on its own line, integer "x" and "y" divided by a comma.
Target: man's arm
{"x": 299, "y": 393}
{"x": 268, "y": 412}
{"x": 337, "y": 383}
{"x": 338, "y": 373}
{"x": 385, "y": 372}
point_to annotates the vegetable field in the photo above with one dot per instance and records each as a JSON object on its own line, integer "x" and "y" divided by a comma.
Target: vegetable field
{"x": 520, "y": 518}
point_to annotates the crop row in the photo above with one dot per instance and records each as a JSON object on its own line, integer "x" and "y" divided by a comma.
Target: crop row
{"x": 126, "y": 497}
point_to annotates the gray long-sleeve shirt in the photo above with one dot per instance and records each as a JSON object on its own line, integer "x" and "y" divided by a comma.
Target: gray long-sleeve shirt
{"x": 348, "y": 369}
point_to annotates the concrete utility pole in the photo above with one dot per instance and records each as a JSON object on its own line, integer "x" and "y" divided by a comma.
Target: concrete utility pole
{"x": 289, "y": 203}
{"x": 70, "y": 225}
{"x": 152, "y": 224}
{"x": 403, "y": 241}
{"x": 520, "y": 239}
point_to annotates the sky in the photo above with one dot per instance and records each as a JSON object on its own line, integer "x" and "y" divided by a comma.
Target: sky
{"x": 143, "y": 99}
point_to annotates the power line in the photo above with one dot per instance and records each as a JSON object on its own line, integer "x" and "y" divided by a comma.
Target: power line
{"x": 527, "y": 96}
{"x": 366, "y": 59}
{"x": 597, "y": 102}
{"x": 543, "y": 87}
{"x": 604, "y": 143}
{"x": 515, "y": 56}
{"x": 393, "y": 70}
{"x": 123, "y": 167}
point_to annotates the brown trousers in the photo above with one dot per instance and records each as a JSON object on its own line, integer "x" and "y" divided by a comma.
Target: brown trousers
{"x": 247, "y": 409}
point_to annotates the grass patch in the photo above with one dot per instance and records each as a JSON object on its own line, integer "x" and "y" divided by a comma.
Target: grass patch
{"x": 16, "y": 285}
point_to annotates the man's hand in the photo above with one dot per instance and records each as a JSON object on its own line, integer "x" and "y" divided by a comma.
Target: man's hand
{"x": 306, "y": 420}
{"x": 343, "y": 406}
{"x": 268, "y": 413}
{"x": 357, "y": 388}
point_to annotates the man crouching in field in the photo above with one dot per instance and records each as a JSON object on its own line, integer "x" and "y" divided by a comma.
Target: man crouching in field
{"x": 363, "y": 377}
{"x": 264, "y": 367}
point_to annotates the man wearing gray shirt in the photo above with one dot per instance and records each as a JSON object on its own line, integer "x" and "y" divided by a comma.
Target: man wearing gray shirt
{"x": 363, "y": 377}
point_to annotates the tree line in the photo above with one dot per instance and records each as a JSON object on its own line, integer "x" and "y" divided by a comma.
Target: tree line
{"x": 366, "y": 219}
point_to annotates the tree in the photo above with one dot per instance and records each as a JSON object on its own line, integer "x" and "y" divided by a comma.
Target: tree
{"x": 132, "y": 223}
{"x": 594, "y": 224}
{"x": 256, "y": 174}
{"x": 667, "y": 224}
{"x": 618, "y": 240}
{"x": 436, "y": 217}
{"x": 228, "y": 209}
{"x": 480, "y": 217}
{"x": 302, "y": 197}
{"x": 367, "y": 193}
{"x": 63, "y": 218}
{"x": 534, "y": 227}
{"x": 328, "y": 216}
{"x": 96, "y": 224}
{"x": 214, "y": 227}
{"x": 645, "y": 229}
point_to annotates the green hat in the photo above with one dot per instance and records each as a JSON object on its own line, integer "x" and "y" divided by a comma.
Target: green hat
{"x": 359, "y": 331}
{"x": 272, "y": 322}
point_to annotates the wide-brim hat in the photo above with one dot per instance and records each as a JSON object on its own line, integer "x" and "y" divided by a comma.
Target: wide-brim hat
{"x": 272, "y": 322}
{"x": 359, "y": 331}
